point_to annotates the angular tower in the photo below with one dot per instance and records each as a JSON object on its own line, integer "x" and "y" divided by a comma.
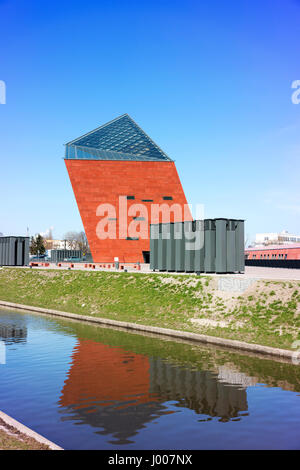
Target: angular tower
{"x": 119, "y": 168}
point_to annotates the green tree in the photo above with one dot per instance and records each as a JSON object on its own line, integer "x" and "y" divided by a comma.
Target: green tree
{"x": 37, "y": 246}
{"x": 32, "y": 246}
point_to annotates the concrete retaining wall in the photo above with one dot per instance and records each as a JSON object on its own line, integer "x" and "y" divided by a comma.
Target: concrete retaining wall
{"x": 27, "y": 431}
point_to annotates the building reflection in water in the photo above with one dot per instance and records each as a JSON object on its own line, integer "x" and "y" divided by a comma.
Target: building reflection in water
{"x": 13, "y": 334}
{"x": 119, "y": 392}
{"x": 198, "y": 390}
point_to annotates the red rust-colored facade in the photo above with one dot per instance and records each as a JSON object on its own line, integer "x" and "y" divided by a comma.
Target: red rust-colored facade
{"x": 288, "y": 252}
{"x": 96, "y": 182}
{"x": 118, "y": 165}
{"x": 111, "y": 376}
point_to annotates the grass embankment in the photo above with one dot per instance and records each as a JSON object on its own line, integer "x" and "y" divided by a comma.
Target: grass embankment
{"x": 267, "y": 313}
{"x": 12, "y": 439}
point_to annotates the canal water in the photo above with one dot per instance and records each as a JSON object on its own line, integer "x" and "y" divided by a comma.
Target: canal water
{"x": 88, "y": 387}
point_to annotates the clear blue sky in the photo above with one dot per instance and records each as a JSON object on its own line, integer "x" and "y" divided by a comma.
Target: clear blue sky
{"x": 210, "y": 82}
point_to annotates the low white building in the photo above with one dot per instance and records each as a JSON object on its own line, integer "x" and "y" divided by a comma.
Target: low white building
{"x": 281, "y": 238}
{"x": 57, "y": 244}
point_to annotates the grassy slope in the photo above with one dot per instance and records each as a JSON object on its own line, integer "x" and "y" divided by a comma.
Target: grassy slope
{"x": 268, "y": 313}
{"x": 8, "y": 442}
{"x": 12, "y": 439}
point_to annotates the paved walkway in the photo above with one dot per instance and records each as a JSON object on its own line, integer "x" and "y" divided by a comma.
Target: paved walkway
{"x": 253, "y": 272}
{"x": 271, "y": 273}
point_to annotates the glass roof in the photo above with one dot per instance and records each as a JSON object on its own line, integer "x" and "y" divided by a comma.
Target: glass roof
{"x": 120, "y": 139}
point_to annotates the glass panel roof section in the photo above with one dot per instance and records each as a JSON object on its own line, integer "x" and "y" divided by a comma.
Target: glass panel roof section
{"x": 120, "y": 139}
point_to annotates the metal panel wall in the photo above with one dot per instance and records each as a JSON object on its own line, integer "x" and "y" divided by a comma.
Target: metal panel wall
{"x": 164, "y": 235}
{"x": 154, "y": 234}
{"x": 19, "y": 251}
{"x": 189, "y": 236}
{"x": 11, "y": 254}
{"x": 240, "y": 246}
{"x": 171, "y": 250}
{"x": 199, "y": 251}
{"x": 14, "y": 251}
{"x": 1, "y": 251}
{"x": 179, "y": 246}
{"x": 26, "y": 251}
{"x": 231, "y": 251}
{"x": 61, "y": 255}
{"x": 209, "y": 246}
{"x": 221, "y": 245}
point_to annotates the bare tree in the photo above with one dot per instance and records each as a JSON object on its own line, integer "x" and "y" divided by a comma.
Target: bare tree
{"x": 50, "y": 234}
{"x": 77, "y": 241}
{"x": 48, "y": 244}
{"x": 71, "y": 238}
{"x": 82, "y": 242}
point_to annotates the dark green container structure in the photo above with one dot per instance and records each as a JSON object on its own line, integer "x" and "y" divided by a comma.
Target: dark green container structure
{"x": 189, "y": 258}
{"x": 221, "y": 245}
{"x": 230, "y": 246}
{"x": 154, "y": 234}
{"x": 171, "y": 249}
{"x": 179, "y": 247}
{"x": 239, "y": 246}
{"x": 199, "y": 249}
{"x": 210, "y": 245}
{"x": 14, "y": 251}
{"x": 62, "y": 255}
{"x": 163, "y": 239}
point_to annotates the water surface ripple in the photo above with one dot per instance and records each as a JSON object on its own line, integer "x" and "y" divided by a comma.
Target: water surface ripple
{"x": 88, "y": 387}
